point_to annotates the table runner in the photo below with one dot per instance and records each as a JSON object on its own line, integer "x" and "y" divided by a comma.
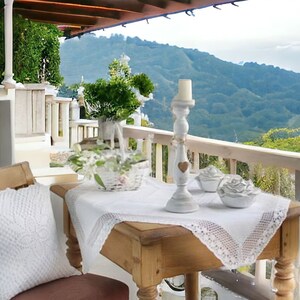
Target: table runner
{"x": 235, "y": 236}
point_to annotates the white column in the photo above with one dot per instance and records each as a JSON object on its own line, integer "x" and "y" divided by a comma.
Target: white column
{"x": 8, "y": 80}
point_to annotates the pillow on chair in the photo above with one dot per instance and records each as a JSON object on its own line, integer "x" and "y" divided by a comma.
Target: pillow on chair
{"x": 30, "y": 253}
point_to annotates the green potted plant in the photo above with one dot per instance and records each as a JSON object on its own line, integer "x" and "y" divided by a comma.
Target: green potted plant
{"x": 117, "y": 98}
{"x": 114, "y": 100}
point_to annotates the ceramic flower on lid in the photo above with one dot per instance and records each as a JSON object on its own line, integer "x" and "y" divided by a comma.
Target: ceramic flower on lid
{"x": 237, "y": 192}
{"x": 209, "y": 178}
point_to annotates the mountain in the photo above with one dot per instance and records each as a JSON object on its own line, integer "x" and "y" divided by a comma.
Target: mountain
{"x": 234, "y": 102}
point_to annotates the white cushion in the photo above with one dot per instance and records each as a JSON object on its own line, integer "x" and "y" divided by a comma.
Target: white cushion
{"x": 30, "y": 253}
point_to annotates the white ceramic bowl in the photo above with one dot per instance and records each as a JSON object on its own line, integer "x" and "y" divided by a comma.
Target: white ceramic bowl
{"x": 208, "y": 185}
{"x": 237, "y": 193}
{"x": 238, "y": 200}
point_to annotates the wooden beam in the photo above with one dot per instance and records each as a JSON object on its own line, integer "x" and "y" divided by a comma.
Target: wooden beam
{"x": 54, "y": 18}
{"x": 116, "y": 5}
{"x": 157, "y": 3}
{"x": 183, "y": 1}
{"x": 68, "y": 10}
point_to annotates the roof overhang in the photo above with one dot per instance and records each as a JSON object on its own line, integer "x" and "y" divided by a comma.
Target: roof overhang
{"x": 81, "y": 16}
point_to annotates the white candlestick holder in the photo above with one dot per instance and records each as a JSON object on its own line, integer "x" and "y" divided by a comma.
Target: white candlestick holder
{"x": 182, "y": 200}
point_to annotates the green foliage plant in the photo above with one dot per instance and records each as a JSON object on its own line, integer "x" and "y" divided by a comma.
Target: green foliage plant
{"x": 274, "y": 180}
{"x": 35, "y": 51}
{"x": 271, "y": 179}
{"x": 116, "y": 99}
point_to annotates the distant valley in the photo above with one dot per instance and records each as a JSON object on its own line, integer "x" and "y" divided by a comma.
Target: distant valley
{"x": 233, "y": 102}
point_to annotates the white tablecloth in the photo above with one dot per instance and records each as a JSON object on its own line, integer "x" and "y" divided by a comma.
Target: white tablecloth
{"x": 235, "y": 236}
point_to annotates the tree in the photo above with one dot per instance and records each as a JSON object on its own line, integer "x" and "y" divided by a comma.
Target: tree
{"x": 36, "y": 51}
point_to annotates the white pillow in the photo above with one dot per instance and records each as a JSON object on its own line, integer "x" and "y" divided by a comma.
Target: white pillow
{"x": 30, "y": 253}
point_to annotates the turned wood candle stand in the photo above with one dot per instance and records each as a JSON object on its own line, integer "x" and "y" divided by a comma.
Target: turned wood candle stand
{"x": 182, "y": 200}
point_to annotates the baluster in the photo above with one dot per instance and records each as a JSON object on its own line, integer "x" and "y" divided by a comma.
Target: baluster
{"x": 65, "y": 123}
{"x": 171, "y": 158}
{"x": 48, "y": 114}
{"x": 232, "y": 166}
{"x": 260, "y": 272}
{"x": 55, "y": 120}
{"x": 158, "y": 162}
{"x": 196, "y": 165}
{"x": 74, "y": 133}
{"x": 148, "y": 149}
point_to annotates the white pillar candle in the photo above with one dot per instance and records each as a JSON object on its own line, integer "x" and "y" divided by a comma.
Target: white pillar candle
{"x": 184, "y": 89}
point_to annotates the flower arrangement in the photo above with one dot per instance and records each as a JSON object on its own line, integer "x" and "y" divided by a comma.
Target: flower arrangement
{"x": 118, "y": 97}
{"x": 111, "y": 169}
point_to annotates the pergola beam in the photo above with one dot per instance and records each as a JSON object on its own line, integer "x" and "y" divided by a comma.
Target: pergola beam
{"x": 116, "y": 5}
{"x": 57, "y": 18}
{"x": 68, "y": 10}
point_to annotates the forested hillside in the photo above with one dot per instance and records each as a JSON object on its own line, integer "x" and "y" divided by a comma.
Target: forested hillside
{"x": 233, "y": 102}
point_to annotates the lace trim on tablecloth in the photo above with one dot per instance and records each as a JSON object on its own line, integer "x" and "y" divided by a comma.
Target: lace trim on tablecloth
{"x": 213, "y": 236}
{"x": 225, "y": 248}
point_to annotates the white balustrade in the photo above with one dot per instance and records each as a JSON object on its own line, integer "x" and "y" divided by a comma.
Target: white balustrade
{"x": 82, "y": 129}
{"x": 57, "y": 119}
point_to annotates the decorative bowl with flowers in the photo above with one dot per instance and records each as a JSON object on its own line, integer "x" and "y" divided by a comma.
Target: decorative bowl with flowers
{"x": 236, "y": 192}
{"x": 112, "y": 170}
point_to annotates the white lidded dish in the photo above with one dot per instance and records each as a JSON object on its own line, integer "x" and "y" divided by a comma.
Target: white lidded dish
{"x": 236, "y": 192}
{"x": 209, "y": 178}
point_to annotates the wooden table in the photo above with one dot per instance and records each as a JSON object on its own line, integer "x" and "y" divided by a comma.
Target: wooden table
{"x": 151, "y": 252}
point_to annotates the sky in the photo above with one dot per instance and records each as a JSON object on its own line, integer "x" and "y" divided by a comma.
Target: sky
{"x": 262, "y": 31}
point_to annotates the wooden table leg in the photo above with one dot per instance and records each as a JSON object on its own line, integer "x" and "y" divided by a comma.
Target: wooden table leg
{"x": 284, "y": 280}
{"x": 191, "y": 285}
{"x": 73, "y": 250}
{"x": 148, "y": 293}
